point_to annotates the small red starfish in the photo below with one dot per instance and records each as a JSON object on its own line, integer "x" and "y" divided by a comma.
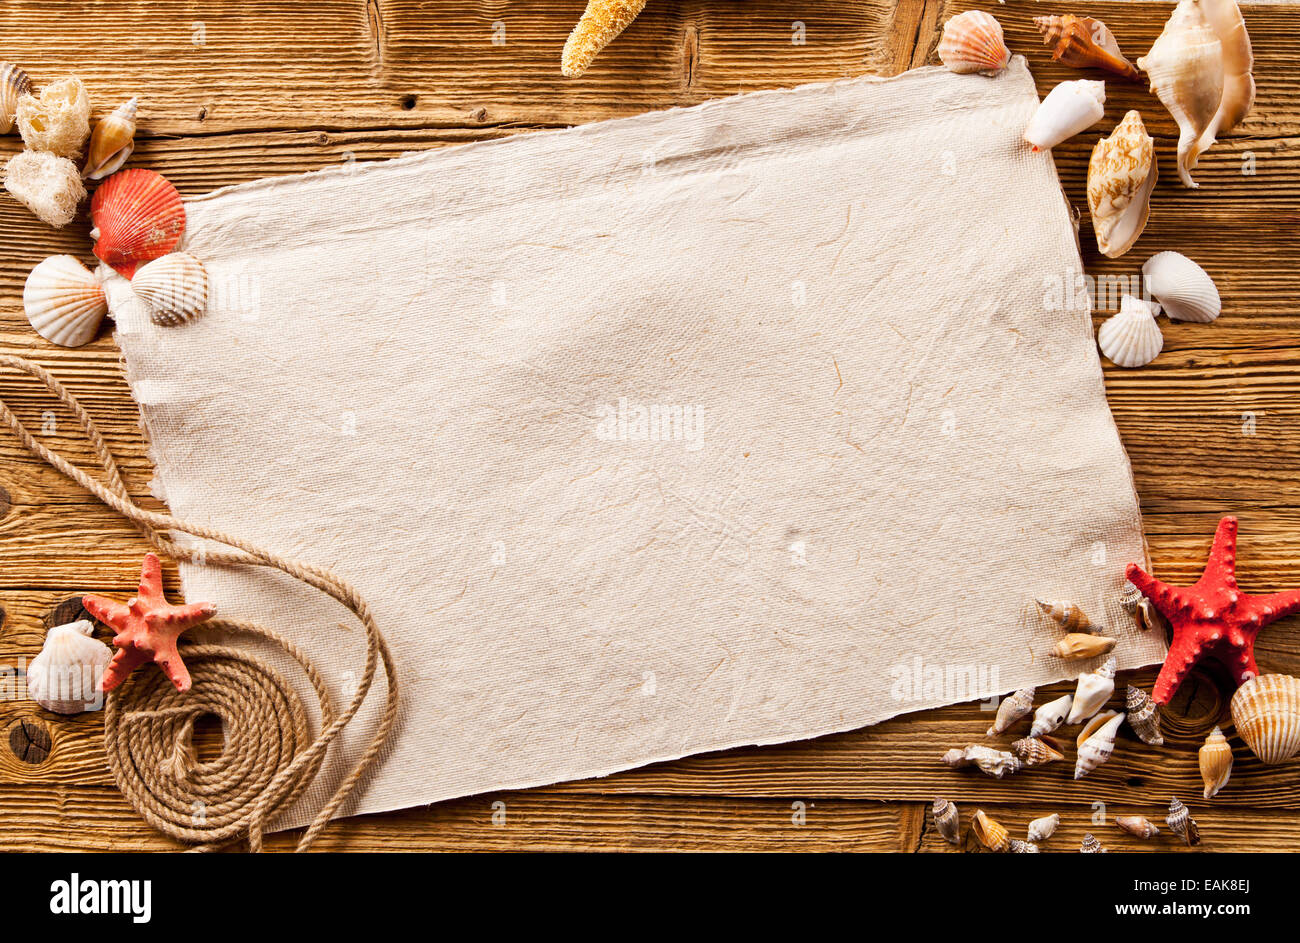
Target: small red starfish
{"x": 147, "y": 627}
{"x": 1213, "y": 617}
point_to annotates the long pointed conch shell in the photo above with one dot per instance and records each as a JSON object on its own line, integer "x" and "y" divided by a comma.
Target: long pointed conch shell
{"x": 1066, "y": 614}
{"x": 1096, "y": 742}
{"x": 1078, "y": 645}
{"x": 1094, "y": 688}
{"x": 1224, "y": 18}
{"x": 112, "y": 142}
{"x": 1183, "y": 288}
{"x": 972, "y": 42}
{"x": 1136, "y": 825}
{"x": 989, "y": 833}
{"x": 1266, "y": 713}
{"x": 1215, "y": 761}
{"x": 599, "y": 26}
{"x": 1051, "y": 715}
{"x": 1069, "y": 108}
{"x": 1044, "y": 828}
{"x": 1082, "y": 42}
{"x": 947, "y": 820}
{"x": 65, "y": 676}
{"x": 64, "y": 301}
{"x": 1143, "y": 716}
{"x": 1091, "y": 845}
{"x": 1182, "y": 824}
{"x": 1122, "y": 172}
{"x": 1011, "y": 710}
{"x": 14, "y": 84}
{"x": 1037, "y": 751}
{"x": 1185, "y": 68}
{"x": 995, "y": 763}
{"x": 1132, "y": 338}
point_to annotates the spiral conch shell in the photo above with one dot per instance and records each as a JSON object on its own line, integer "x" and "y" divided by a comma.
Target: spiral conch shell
{"x": 1079, "y": 645}
{"x": 175, "y": 286}
{"x": 1143, "y": 716}
{"x": 65, "y": 676}
{"x": 1066, "y": 614}
{"x": 1132, "y": 338}
{"x": 112, "y": 141}
{"x": 1181, "y": 823}
{"x": 64, "y": 301}
{"x": 1215, "y": 761}
{"x": 972, "y": 42}
{"x": 1183, "y": 288}
{"x": 990, "y": 833}
{"x": 1069, "y": 108}
{"x": 1136, "y": 825}
{"x": 1018, "y": 847}
{"x": 948, "y": 821}
{"x": 1093, "y": 689}
{"x": 1011, "y": 709}
{"x": 1051, "y": 715}
{"x": 995, "y": 763}
{"x": 1096, "y": 742}
{"x": 1043, "y": 828}
{"x": 1082, "y": 42}
{"x": 1090, "y": 845}
{"x": 1037, "y": 751}
{"x": 1122, "y": 172}
{"x": 14, "y": 84}
{"x": 1266, "y": 713}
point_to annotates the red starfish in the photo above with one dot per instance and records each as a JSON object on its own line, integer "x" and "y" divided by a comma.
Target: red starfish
{"x": 147, "y": 627}
{"x": 1212, "y": 618}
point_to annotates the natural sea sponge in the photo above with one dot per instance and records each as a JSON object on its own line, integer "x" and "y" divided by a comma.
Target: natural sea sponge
{"x": 48, "y": 185}
{"x": 58, "y": 121}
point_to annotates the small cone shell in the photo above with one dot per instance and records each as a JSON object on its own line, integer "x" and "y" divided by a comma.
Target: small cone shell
{"x": 1093, "y": 690}
{"x": 1066, "y": 614}
{"x": 1143, "y": 716}
{"x": 1136, "y": 825}
{"x": 1215, "y": 761}
{"x": 1182, "y": 824}
{"x": 1091, "y": 845}
{"x": 1051, "y": 715}
{"x": 1096, "y": 742}
{"x": 1011, "y": 709}
{"x": 1079, "y": 645}
{"x": 1043, "y": 828}
{"x": 1266, "y": 714}
{"x": 112, "y": 142}
{"x": 600, "y": 25}
{"x": 990, "y": 833}
{"x": 947, "y": 821}
{"x": 1130, "y": 597}
{"x": 1036, "y": 751}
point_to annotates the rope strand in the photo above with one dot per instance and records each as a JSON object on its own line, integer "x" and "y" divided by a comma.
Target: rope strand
{"x": 269, "y": 758}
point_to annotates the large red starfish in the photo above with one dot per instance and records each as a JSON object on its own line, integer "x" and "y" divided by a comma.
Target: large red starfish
{"x": 1213, "y": 617}
{"x": 147, "y": 627}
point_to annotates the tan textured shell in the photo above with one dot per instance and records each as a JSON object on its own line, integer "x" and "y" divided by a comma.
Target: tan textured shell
{"x": 1181, "y": 823}
{"x": 1266, "y": 713}
{"x": 1041, "y": 829}
{"x": 1122, "y": 172}
{"x": 1136, "y": 825}
{"x": 1143, "y": 716}
{"x": 1037, "y": 751}
{"x": 947, "y": 820}
{"x": 972, "y": 42}
{"x": 1090, "y": 845}
{"x": 1079, "y": 645}
{"x": 112, "y": 141}
{"x": 1215, "y": 761}
{"x": 990, "y": 833}
{"x": 1011, "y": 709}
{"x": 1066, "y": 614}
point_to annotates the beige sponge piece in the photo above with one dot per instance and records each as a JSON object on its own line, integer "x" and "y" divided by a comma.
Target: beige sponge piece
{"x": 48, "y": 185}
{"x": 58, "y": 121}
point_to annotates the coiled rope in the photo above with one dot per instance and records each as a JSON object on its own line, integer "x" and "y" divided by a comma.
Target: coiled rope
{"x": 269, "y": 757}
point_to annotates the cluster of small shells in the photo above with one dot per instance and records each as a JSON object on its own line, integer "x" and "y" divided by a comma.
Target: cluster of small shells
{"x": 996, "y": 837}
{"x": 1200, "y": 70}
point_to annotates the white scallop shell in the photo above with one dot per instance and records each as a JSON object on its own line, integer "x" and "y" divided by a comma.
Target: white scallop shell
{"x": 1132, "y": 337}
{"x": 1069, "y": 108}
{"x": 65, "y": 676}
{"x": 64, "y": 301}
{"x": 174, "y": 286}
{"x": 1183, "y": 288}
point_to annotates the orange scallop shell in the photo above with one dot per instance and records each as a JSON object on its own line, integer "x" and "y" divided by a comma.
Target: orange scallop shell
{"x": 138, "y": 217}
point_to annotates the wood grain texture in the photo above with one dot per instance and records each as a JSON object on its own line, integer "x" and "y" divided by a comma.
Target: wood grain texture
{"x": 234, "y": 92}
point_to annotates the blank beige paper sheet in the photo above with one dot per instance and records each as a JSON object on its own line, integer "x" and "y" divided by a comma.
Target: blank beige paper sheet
{"x": 728, "y": 425}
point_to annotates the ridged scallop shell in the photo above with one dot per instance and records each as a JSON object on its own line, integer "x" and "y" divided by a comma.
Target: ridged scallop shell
{"x": 990, "y": 833}
{"x": 138, "y": 217}
{"x": 1131, "y": 338}
{"x": 1037, "y": 751}
{"x": 1090, "y": 845}
{"x": 1043, "y": 828}
{"x": 65, "y": 676}
{"x": 1066, "y": 614}
{"x": 1011, "y": 709}
{"x": 1079, "y": 645}
{"x": 1143, "y": 716}
{"x": 64, "y": 301}
{"x": 14, "y": 84}
{"x": 1266, "y": 713}
{"x": 972, "y": 42}
{"x": 1093, "y": 689}
{"x": 1083, "y": 42}
{"x": 1096, "y": 742}
{"x": 1069, "y": 108}
{"x": 1136, "y": 825}
{"x": 947, "y": 820}
{"x": 1181, "y": 823}
{"x": 175, "y": 287}
{"x": 1183, "y": 288}
{"x": 112, "y": 141}
{"x": 1051, "y": 715}
{"x": 995, "y": 763}
{"x": 1122, "y": 172}
{"x": 1215, "y": 760}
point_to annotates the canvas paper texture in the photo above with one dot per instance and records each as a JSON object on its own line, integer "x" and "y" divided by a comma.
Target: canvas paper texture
{"x": 711, "y": 427}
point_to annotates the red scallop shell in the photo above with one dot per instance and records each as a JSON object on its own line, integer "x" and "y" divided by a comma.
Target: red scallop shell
{"x": 138, "y": 216}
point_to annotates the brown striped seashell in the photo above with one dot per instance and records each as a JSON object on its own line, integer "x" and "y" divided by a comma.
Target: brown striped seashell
{"x": 1130, "y": 597}
{"x": 1136, "y": 825}
{"x": 1215, "y": 761}
{"x": 112, "y": 142}
{"x": 1182, "y": 824}
{"x": 1080, "y": 645}
{"x": 1096, "y": 742}
{"x": 1037, "y": 751}
{"x": 972, "y": 42}
{"x": 1043, "y": 828}
{"x": 990, "y": 833}
{"x": 1066, "y": 614}
{"x": 947, "y": 821}
{"x": 1090, "y": 845}
{"x": 1266, "y": 713}
{"x": 1011, "y": 709}
{"x": 1018, "y": 847}
{"x": 1143, "y": 716}
{"x": 1084, "y": 43}
{"x": 174, "y": 286}
{"x": 14, "y": 84}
